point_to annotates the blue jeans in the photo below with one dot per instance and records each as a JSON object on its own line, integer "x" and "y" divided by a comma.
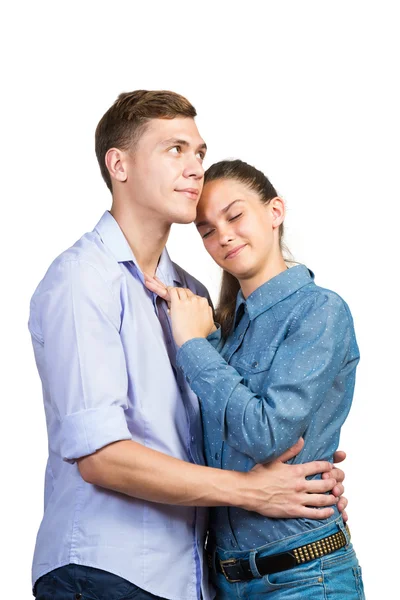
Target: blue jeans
{"x": 336, "y": 576}
{"x": 76, "y": 582}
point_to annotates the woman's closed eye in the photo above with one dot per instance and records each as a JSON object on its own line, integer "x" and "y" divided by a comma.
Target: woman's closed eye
{"x": 235, "y": 217}
{"x": 207, "y": 234}
{"x": 230, "y": 219}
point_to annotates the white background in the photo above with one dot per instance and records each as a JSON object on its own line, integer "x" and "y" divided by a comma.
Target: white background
{"x": 308, "y": 92}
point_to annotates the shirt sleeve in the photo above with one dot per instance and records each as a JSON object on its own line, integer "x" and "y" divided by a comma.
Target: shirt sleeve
{"x": 215, "y": 338}
{"x": 319, "y": 344}
{"x": 83, "y": 366}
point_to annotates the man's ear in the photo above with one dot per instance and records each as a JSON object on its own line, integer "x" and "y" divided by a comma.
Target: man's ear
{"x": 116, "y": 164}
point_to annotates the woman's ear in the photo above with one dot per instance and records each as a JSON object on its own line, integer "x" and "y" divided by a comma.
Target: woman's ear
{"x": 277, "y": 206}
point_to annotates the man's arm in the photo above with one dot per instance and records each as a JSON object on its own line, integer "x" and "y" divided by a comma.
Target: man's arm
{"x": 274, "y": 490}
{"x": 85, "y": 375}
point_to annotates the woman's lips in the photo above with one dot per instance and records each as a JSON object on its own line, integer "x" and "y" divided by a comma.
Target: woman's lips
{"x": 235, "y": 251}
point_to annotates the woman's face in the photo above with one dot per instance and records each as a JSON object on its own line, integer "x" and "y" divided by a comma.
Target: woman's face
{"x": 238, "y": 230}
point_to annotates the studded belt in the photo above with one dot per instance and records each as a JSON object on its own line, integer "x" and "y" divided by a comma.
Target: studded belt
{"x": 238, "y": 569}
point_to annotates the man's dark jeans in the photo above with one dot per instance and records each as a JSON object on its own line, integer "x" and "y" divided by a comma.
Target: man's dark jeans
{"x": 75, "y": 582}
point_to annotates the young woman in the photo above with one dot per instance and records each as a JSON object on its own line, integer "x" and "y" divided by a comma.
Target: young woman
{"x": 280, "y": 366}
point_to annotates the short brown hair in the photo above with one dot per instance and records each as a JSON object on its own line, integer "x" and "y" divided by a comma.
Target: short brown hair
{"x": 124, "y": 122}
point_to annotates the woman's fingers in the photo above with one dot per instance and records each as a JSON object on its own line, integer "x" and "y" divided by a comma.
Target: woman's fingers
{"x": 156, "y": 286}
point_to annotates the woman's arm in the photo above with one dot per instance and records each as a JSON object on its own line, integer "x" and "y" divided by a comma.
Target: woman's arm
{"x": 195, "y": 320}
{"x": 264, "y": 425}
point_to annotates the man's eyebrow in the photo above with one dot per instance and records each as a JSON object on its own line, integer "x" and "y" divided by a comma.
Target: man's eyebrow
{"x": 179, "y": 142}
{"x": 222, "y": 211}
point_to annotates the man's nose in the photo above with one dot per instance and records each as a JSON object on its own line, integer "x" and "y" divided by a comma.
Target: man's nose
{"x": 194, "y": 168}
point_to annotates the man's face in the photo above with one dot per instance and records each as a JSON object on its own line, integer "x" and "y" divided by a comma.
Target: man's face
{"x": 165, "y": 170}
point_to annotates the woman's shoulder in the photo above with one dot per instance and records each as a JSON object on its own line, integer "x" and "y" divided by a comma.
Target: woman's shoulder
{"x": 317, "y": 297}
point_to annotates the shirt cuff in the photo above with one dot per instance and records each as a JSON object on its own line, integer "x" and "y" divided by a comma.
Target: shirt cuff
{"x": 86, "y": 431}
{"x": 194, "y": 356}
{"x": 215, "y": 337}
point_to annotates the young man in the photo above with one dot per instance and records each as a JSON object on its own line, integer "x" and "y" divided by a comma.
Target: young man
{"x": 124, "y": 481}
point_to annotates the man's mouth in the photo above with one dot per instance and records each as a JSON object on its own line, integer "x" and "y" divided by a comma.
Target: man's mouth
{"x": 191, "y": 193}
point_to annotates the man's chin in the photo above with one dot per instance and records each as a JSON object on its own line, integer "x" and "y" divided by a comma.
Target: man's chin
{"x": 184, "y": 219}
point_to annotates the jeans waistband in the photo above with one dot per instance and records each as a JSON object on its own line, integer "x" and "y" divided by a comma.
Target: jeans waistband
{"x": 306, "y": 537}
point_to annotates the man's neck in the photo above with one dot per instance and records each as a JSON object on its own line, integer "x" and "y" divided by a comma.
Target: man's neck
{"x": 146, "y": 236}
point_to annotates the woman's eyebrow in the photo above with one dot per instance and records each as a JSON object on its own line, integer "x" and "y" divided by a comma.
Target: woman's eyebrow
{"x": 222, "y": 211}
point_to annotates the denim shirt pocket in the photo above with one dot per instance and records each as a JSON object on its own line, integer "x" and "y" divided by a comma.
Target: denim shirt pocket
{"x": 256, "y": 361}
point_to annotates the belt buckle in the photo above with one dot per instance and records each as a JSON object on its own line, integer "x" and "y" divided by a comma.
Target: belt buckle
{"x": 229, "y": 563}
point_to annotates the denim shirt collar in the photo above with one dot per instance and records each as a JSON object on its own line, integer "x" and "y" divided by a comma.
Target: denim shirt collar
{"x": 273, "y": 291}
{"x": 113, "y": 237}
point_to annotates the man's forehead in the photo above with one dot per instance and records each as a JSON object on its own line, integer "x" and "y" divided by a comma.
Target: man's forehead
{"x": 180, "y": 128}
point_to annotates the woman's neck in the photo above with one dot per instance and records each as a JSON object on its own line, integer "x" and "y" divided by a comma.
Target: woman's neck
{"x": 271, "y": 269}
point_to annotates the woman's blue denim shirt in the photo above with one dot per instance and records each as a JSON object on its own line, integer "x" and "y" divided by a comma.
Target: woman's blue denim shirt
{"x": 287, "y": 370}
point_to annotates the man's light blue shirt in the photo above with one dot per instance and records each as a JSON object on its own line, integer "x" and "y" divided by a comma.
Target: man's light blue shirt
{"x": 104, "y": 362}
{"x": 286, "y": 370}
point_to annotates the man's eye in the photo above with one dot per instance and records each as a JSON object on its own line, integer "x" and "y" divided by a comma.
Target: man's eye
{"x": 235, "y": 217}
{"x": 201, "y": 155}
{"x": 176, "y": 149}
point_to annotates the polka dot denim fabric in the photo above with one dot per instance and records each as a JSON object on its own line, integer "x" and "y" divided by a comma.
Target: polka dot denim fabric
{"x": 286, "y": 370}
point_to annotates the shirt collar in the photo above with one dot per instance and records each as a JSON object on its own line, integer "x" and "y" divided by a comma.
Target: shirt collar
{"x": 112, "y": 237}
{"x": 273, "y": 291}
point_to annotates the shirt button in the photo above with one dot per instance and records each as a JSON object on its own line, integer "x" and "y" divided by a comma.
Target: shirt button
{"x": 78, "y": 596}
{"x": 188, "y": 378}
{"x": 255, "y": 364}
{"x": 216, "y": 456}
{"x": 192, "y": 438}
{"x": 240, "y": 336}
{"x": 233, "y": 543}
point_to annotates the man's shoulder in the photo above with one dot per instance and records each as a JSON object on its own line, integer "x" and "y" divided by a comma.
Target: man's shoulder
{"x": 88, "y": 252}
{"x": 191, "y": 282}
